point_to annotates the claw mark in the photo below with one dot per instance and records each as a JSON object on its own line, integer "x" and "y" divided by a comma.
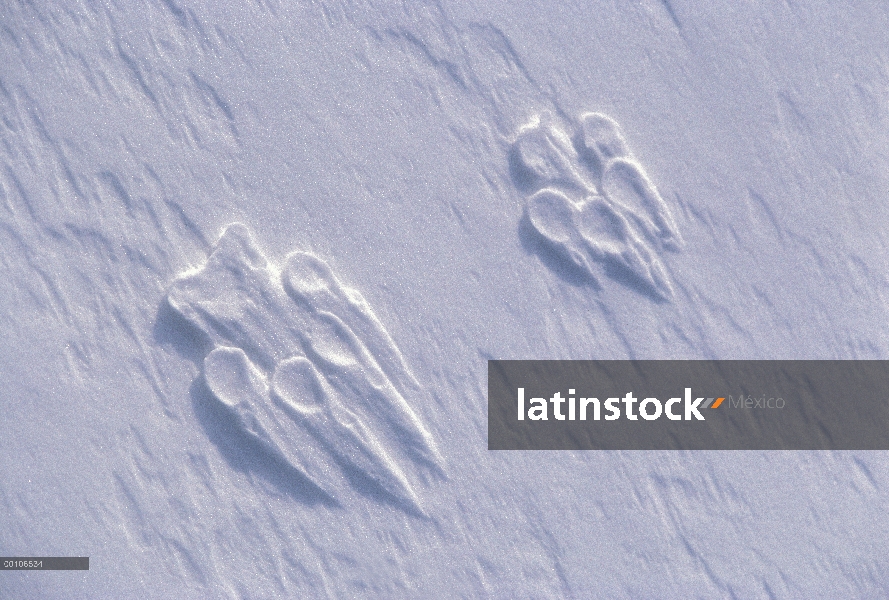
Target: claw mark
{"x": 243, "y": 391}
{"x": 627, "y": 185}
{"x": 338, "y": 429}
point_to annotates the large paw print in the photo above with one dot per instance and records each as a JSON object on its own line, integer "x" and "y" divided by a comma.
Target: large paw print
{"x": 592, "y": 201}
{"x": 305, "y": 368}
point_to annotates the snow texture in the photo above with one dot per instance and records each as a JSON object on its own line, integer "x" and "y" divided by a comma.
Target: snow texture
{"x": 256, "y": 255}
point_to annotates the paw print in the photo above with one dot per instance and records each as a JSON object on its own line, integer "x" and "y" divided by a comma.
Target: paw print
{"x": 306, "y": 369}
{"x": 592, "y": 201}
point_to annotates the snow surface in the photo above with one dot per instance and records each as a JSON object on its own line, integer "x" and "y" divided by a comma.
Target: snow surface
{"x": 256, "y": 255}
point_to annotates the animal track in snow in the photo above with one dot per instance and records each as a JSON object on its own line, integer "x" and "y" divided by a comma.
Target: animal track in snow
{"x": 592, "y": 201}
{"x": 306, "y": 369}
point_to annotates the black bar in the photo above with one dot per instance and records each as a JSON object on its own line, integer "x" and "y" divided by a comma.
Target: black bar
{"x": 44, "y": 563}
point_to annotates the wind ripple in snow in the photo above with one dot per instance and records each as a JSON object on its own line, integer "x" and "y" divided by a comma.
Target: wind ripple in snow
{"x": 306, "y": 369}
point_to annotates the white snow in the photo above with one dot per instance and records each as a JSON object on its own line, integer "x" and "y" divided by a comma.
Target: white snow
{"x": 709, "y": 181}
